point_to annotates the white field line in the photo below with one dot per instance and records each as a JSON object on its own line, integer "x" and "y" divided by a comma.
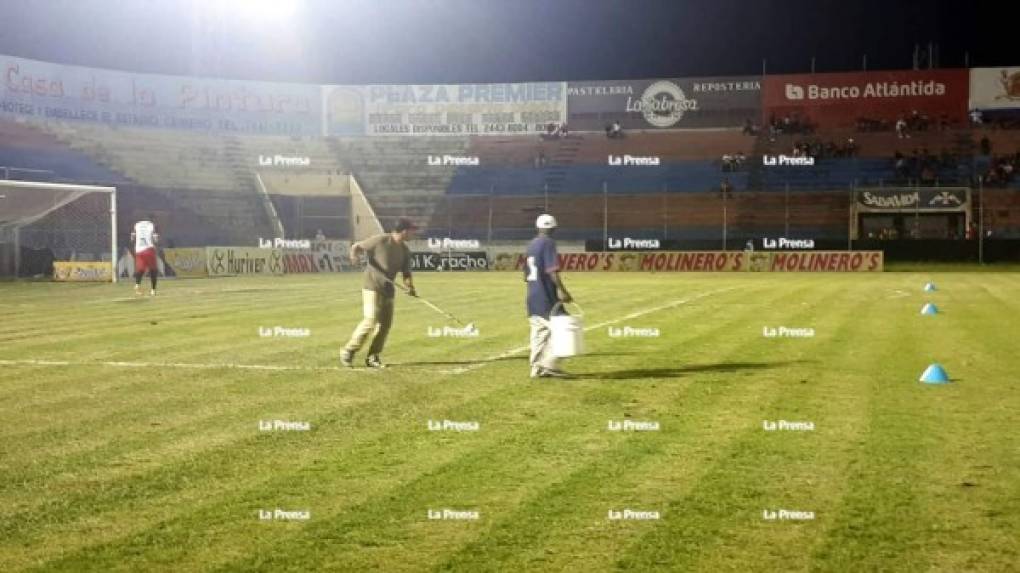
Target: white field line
{"x": 635, "y": 314}
{"x": 121, "y": 364}
{"x": 286, "y": 368}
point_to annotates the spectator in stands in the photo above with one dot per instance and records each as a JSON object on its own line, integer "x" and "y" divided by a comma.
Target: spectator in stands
{"x": 971, "y": 231}
{"x": 319, "y": 235}
{"x": 725, "y": 187}
{"x": 727, "y": 162}
{"x": 901, "y": 128}
{"x": 975, "y": 117}
{"x": 614, "y": 130}
{"x": 750, "y": 128}
{"x": 540, "y": 159}
{"x": 986, "y": 146}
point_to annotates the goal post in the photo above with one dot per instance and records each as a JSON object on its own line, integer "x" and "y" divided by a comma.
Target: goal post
{"x": 42, "y": 223}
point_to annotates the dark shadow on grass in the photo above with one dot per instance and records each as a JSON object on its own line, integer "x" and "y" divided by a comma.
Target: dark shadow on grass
{"x": 681, "y": 371}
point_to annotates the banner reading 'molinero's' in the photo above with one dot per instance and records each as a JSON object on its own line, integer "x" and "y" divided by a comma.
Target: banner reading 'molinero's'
{"x": 229, "y": 261}
{"x": 464, "y": 109}
{"x": 843, "y": 99}
{"x": 664, "y": 103}
{"x": 51, "y": 91}
{"x": 707, "y": 261}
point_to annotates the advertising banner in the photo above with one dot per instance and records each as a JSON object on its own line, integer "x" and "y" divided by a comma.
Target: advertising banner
{"x": 842, "y": 99}
{"x": 82, "y": 271}
{"x": 44, "y": 91}
{"x": 322, "y": 257}
{"x": 899, "y": 200}
{"x": 706, "y": 261}
{"x": 451, "y": 109}
{"x": 230, "y": 261}
{"x": 449, "y": 261}
{"x": 995, "y": 88}
{"x": 664, "y": 103}
{"x": 186, "y": 262}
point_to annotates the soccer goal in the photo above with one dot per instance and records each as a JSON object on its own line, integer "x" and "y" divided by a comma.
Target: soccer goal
{"x": 58, "y": 230}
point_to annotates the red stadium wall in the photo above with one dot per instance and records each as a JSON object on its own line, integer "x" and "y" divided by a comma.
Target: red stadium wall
{"x": 839, "y": 100}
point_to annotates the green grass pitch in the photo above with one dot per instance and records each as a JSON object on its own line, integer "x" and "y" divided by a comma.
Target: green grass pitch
{"x": 130, "y": 428}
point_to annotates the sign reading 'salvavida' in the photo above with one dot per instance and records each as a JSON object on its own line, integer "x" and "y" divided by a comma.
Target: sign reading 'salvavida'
{"x": 664, "y": 103}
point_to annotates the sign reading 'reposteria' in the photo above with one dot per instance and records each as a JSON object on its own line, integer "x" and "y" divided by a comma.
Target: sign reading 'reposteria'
{"x": 664, "y": 103}
{"x": 448, "y": 109}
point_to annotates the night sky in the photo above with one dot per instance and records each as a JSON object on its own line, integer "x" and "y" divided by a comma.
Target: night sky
{"x": 458, "y": 41}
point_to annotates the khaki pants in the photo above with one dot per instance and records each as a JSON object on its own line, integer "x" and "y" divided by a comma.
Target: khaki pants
{"x": 541, "y": 343}
{"x": 378, "y": 312}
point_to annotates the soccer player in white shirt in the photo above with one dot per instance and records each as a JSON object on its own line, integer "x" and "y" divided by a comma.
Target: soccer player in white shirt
{"x": 145, "y": 237}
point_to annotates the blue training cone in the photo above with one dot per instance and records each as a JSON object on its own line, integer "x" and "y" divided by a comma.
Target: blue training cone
{"x": 929, "y": 309}
{"x": 935, "y": 374}
{"x": 930, "y": 287}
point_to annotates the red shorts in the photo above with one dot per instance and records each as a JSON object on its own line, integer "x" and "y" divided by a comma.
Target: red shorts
{"x": 146, "y": 261}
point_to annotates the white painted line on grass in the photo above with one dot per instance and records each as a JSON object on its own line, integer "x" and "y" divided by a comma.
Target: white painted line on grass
{"x": 122, "y": 364}
{"x": 635, "y": 314}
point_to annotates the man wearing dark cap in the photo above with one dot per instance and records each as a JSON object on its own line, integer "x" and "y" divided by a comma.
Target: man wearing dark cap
{"x": 386, "y": 255}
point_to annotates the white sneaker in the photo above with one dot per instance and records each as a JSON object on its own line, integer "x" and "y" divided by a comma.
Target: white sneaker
{"x": 152, "y": 292}
{"x": 138, "y": 290}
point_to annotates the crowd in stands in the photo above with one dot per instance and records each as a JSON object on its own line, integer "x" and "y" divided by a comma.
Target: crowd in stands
{"x": 1002, "y": 170}
{"x": 921, "y": 166}
{"x": 789, "y": 124}
{"x": 999, "y": 121}
{"x": 905, "y": 124}
{"x": 614, "y": 130}
{"x": 733, "y": 161}
{"x": 555, "y": 131}
{"x": 829, "y": 150}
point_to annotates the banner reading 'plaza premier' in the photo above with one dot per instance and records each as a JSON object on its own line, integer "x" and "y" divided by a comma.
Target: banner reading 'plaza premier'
{"x": 664, "y": 103}
{"x": 464, "y": 109}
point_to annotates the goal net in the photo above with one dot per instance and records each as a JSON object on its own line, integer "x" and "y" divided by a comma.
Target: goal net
{"x": 62, "y": 231}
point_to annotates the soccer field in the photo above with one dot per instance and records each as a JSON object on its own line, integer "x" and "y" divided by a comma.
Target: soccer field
{"x": 139, "y": 433}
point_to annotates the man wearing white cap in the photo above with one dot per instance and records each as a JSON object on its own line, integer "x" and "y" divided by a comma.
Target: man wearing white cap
{"x": 545, "y": 290}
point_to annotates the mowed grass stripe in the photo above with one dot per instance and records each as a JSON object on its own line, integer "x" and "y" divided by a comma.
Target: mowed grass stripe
{"x": 803, "y": 471}
{"x": 746, "y": 478}
{"x": 525, "y": 471}
{"x": 697, "y": 412}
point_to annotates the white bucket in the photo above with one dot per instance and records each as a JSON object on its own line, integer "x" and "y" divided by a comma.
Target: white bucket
{"x": 567, "y": 334}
